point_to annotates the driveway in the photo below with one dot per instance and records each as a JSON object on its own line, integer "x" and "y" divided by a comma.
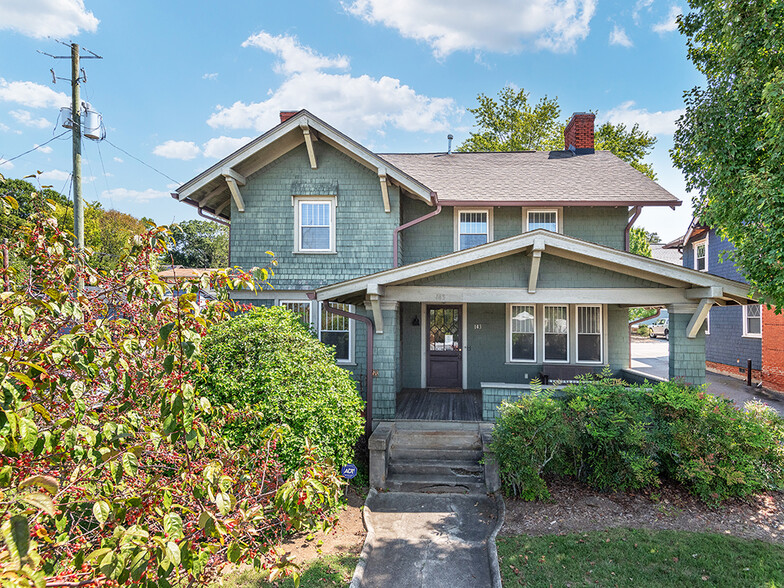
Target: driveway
{"x": 652, "y": 357}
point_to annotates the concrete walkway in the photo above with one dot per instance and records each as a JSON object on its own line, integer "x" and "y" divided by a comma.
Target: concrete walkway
{"x": 418, "y": 540}
{"x": 652, "y": 357}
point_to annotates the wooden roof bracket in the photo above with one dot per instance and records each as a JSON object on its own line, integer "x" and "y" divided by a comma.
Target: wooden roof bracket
{"x": 374, "y": 293}
{"x": 382, "y": 177}
{"x": 308, "y": 143}
{"x": 698, "y": 318}
{"x": 235, "y": 180}
{"x": 536, "y": 258}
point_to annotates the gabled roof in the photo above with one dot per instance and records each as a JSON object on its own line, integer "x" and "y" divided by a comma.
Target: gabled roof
{"x": 555, "y": 178}
{"x": 211, "y": 191}
{"x": 653, "y": 270}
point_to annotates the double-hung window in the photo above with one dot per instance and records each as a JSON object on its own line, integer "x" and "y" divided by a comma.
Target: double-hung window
{"x": 542, "y": 219}
{"x": 589, "y": 334}
{"x": 315, "y": 224}
{"x": 331, "y": 329}
{"x": 752, "y": 320}
{"x": 474, "y": 227}
{"x": 523, "y": 332}
{"x": 701, "y": 256}
{"x": 556, "y": 333}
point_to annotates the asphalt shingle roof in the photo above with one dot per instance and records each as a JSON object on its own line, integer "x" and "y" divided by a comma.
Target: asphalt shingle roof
{"x": 532, "y": 176}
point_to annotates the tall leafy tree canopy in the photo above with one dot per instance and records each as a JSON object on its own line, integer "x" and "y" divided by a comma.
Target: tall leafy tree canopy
{"x": 200, "y": 244}
{"x": 730, "y": 142}
{"x": 513, "y": 123}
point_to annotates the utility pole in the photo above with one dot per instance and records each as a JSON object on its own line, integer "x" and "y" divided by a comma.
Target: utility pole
{"x": 76, "y": 117}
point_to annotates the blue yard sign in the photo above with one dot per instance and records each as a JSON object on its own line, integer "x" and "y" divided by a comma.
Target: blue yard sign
{"x": 348, "y": 471}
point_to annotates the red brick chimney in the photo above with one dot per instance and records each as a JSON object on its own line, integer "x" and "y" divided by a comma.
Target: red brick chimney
{"x": 578, "y": 134}
{"x": 287, "y": 114}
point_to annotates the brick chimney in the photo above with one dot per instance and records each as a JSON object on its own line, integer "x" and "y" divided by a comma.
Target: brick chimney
{"x": 287, "y": 114}
{"x": 578, "y": 134}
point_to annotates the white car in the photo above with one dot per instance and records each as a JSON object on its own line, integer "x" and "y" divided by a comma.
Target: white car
{"x": 661, "y": 327}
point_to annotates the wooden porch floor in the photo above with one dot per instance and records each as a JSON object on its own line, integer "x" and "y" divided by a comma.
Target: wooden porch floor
{"x": 419, "y": 404}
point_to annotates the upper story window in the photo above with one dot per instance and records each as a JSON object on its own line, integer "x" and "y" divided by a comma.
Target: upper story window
{"x": 539, "y": 218}
{"x": 701, "y": 256}
{"x": 752, "y": 320}
{"x": 473, "y": 227}
{"x": 314, "y": 217}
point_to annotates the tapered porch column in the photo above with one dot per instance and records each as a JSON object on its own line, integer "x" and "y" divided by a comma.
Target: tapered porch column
{"x": 687, "y": 356}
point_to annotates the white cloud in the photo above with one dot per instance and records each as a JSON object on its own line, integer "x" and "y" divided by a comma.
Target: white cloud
{"x": 31, "y": 94}
{"x": 47, "y": 18}
{"x": 618, "y": 36}
{"x": 184, "y": 150}
{"x": 25, "y": 117}
{"x": 4, "y": 128}
{"x": 494, "y": 25}
{"x": 295, "y": 58}
{"x": 209, "y": 76}
{"x": 661, "y": 122}
{"x": 55, "y": 175}
{"x": 5, "y": 164}
{"x": 220, "y": 147}
{"x": 137, "y": 196}
{"x": 44, "y": 149}
{"x": 639, "y": 7}
{"x": 356, "y": 105}
{"x": 118, "y": 159}
{"x": 670, "y": 23}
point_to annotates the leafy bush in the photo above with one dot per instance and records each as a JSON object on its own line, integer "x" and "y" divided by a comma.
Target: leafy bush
{"x": 644, "y": 330}
{"x": 112, "y": 467}
{"x": 269, "y": 360}
{"x": 616, "y": 436}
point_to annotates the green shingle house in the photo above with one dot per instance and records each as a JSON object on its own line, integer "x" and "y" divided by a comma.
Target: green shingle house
{"x": 464, "y": 273}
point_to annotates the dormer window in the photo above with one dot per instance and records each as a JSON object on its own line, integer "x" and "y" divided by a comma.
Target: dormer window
{"x": 314, "y": 218}
{"x": 701, "y": 256}
{"x": 540, "y": 218}
{"x": 473, "y": 227}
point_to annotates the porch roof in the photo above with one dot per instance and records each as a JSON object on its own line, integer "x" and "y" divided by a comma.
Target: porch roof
{"x": 672, "y": 284}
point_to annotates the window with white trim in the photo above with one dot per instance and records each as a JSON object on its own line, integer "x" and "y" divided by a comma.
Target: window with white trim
{"x": 752, "y": 320}
{"x": 523, "y": 332}
{"x": 701, "y": 256}
{"x": 589, "y": 334}
{"x": 542, "y": 219}
{"x": 331, "y": 329}
{"x": 315, "y": 224}
{"x": 556, "y": 333}
{"x": 473, "y": 228}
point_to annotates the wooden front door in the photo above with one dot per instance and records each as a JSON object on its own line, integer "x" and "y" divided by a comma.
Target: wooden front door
{"x": 445, "y": 347}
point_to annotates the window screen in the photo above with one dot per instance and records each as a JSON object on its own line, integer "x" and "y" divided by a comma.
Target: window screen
{"x": 314, "y": 222}
{"x": 546, "y": 219}
{"x": 589, "y": 333}
{"x": 523, "y": 332}
{"x": 335, "y": 331}
{"x": 556, "y": 333}
{"x": 473, "y": 229}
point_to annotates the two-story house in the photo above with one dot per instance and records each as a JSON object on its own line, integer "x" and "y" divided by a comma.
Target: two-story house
{"x": 734, "y": 335}
{"x": 434, "y": 272}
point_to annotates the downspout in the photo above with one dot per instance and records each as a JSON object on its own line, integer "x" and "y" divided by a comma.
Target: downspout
{"x": 213, "y": 218}
{"x": 370, "y": 329}
{"x": 635, "y": 216}
{"x": 411, "y": 224}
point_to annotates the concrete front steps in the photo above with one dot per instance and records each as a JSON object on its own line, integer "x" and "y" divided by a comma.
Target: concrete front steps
{"x": 432, "y": 456}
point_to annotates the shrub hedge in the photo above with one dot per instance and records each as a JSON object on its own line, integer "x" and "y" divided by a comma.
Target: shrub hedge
{"x": 616, "y": 436}
{"x": 269, "y": 360}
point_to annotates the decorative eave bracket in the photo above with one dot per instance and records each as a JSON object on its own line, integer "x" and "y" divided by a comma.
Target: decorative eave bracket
{"x": 382, "y": 177}
{"x": 234, "y": 180}
{"x": 374, "y": 293}
{"x": 536, "y": 259}
{"x": 309, "y": 143}
{"x": 699, "y": 316}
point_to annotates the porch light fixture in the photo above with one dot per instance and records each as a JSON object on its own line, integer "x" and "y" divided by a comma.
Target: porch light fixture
{"x": 415, "y": 322}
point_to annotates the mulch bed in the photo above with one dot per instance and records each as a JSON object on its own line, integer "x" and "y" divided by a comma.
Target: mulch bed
{"x": 577, "y": 508}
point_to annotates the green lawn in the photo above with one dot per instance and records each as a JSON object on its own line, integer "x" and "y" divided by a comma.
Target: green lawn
{"x": 648, "y": 559}
{"x": 330, "y": 571}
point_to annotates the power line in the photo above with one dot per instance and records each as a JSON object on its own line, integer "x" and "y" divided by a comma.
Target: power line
{"x": 143, "y": 163}
{"x": 37, "y": 146}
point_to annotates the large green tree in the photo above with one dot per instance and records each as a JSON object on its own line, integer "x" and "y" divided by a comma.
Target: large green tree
{"x": 29, "y": 200}
{"x": 513, "y": 123}
{"x": 200, "y": 244}
{"x": 730, "y": 142}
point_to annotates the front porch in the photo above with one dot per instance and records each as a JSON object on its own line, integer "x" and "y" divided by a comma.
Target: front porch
{"x": 417, "y": 404}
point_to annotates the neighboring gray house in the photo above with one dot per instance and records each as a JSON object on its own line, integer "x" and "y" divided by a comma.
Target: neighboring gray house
{"x": 476, "y": 271}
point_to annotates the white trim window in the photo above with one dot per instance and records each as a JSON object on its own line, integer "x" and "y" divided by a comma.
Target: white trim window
{"x": 752, "y": 320}
{"x": 522, "y": 333}
{"x": 541, "y": 219}
{"x": 589, "y": 334}
{"x": 331, "y": 329}
{"x": 701, "y": 256}
{"x": 299, "y": 307}
{"x": 314, "y": 219}
{"x": 472, "y": 227}
{"x": 556, "y": 333}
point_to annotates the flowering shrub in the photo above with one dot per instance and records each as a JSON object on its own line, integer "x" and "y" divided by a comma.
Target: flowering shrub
{"x": 112, "y": 467}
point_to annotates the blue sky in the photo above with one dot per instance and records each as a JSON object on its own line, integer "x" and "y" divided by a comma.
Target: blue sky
{"x": 182, "y": 84}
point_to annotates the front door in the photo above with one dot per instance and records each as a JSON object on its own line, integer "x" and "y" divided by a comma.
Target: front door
{"x": 445, "y": 347}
